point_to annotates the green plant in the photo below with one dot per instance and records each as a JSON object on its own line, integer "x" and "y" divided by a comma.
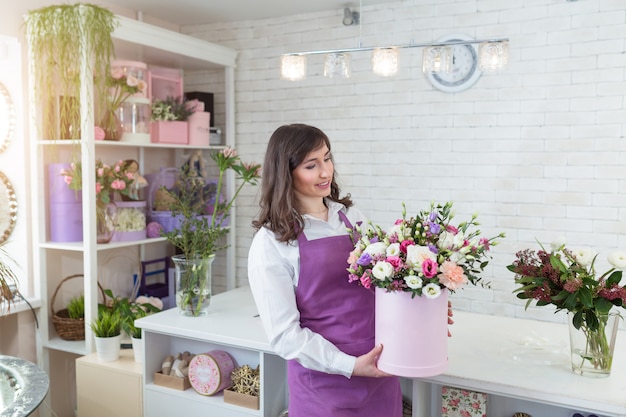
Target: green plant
{"x": 130, "y": 311}
{"x": 171, "y": 109}
{"x": 108, "y": 323}
{"x": 76, "y": 307}
{"x": 198, "y": 235}
{"x": 58, "y": 36}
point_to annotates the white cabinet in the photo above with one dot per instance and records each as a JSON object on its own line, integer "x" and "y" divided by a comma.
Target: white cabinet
{"x": 111, "y": 263}
{"x": 231, "y": 325}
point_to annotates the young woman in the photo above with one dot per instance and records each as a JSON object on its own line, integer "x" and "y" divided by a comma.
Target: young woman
{"x": 314, "y": 318}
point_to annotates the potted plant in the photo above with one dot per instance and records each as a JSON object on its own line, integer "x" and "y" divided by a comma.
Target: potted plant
{"x": 169, "y": 120}
{"x": 52, "y": 33}
{"x": 129, "y": 311}
{"x": 197, "y": 237}
{"x": 107, "y": 331}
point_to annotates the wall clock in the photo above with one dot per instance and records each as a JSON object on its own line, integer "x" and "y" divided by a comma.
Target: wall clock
{"x": 464, "y": 68}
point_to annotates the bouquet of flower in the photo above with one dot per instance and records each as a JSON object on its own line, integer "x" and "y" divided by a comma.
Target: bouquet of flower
{"x": 567, "y": 279}
{"x": 119, "y": 177}
{"x": 422, "y": 254}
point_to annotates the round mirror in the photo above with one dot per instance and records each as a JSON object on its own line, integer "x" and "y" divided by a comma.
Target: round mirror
{"x": 8, "y": 208}
{"x": 7, "y": 117}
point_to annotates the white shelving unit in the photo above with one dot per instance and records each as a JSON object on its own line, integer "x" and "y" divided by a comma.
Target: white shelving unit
{"x": 134, "y": 40}
{"x": 232, "y": 325}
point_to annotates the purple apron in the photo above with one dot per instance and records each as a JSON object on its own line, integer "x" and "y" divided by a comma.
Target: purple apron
{"x": 344, "y": 314}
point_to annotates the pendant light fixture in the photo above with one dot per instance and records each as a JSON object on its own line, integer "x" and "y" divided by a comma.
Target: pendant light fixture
{"x": 436, "y": 56}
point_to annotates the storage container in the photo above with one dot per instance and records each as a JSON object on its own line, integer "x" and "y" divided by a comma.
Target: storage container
{"x": 134, "y": 115}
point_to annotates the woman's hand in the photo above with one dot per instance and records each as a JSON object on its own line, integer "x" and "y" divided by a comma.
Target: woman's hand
{"x": 366, "y": 364}
{"x": 450, "y": 314}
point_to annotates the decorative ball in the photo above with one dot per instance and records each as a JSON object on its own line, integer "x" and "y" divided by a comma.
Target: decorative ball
{"x": 98, "y": 133}
{"x": 153, "y": 229}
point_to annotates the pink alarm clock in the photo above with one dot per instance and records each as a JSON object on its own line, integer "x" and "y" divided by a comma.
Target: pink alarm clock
{"x": 209, "y": 373}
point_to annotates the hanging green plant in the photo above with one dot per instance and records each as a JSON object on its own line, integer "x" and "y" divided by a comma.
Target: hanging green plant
{"x": 58, "y": 36}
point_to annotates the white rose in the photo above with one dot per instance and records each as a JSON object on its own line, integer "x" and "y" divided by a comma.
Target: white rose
{"x": 431, "y": 290}
{"x": 393, "y": 249}
{"x": 376, "y": 249}
{"x": 416, "y": 255}
{"x": 413, "y": 281}
{"x": 618, "y": 259}
{"x": 584, "y": 256}
{"x": 382, "y": 270}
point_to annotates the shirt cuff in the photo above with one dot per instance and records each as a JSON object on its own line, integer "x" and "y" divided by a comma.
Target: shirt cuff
{"x": 344, "y": 363}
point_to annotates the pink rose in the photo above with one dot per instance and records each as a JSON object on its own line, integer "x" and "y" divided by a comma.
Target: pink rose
{"x": 118, "y": 185}
{"x": 404, "y": 244}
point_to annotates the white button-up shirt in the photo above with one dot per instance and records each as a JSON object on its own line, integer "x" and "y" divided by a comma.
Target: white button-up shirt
{"x": 273, "y": 271}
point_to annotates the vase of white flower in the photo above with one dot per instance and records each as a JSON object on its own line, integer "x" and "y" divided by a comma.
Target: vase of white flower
{"x": 567, "y": 279}
{"x": 592, "y": 349}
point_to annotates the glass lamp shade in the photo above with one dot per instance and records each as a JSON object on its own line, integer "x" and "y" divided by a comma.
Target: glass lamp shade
{"x": 337, "y": 65}
{"x": 385, "y": 61}
{"x": 437, "y": 59}
{"x": 493, "y": 56}
{"x": 293, "y": 67}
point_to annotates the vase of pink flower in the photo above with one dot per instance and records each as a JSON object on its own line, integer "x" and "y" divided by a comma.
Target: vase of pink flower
{"x": 413, "y": 267}
{"x": 121, "y": 85}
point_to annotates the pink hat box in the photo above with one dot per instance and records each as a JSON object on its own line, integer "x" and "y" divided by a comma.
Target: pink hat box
{"x": 209, "y": 373}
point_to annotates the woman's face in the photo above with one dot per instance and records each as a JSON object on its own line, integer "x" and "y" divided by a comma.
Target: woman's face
{"x": 312, "y": 178}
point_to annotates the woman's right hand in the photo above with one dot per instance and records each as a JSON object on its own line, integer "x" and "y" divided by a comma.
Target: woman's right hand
{"x": 366, "y": 364}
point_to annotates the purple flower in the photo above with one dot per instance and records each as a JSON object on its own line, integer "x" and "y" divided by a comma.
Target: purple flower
{"x": 433, "y": 248}
{"x": 364, "y": 260}
{"x": 434, "y": 228}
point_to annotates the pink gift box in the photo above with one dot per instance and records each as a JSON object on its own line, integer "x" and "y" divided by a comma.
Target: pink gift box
{"x": 169, "y": 132}
{"x": 199, "y": 128}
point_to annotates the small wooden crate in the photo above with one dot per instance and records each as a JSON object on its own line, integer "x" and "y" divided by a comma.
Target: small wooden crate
{"x": 173, "y": 382}
{"x": 242, "y": 400}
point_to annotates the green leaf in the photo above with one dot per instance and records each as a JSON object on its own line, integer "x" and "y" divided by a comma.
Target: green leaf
{"x": 586, "y": 297}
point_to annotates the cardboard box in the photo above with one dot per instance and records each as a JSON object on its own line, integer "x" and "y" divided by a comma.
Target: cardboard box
{"x": 173, "y": 382}
{"x": 242, "y": 400}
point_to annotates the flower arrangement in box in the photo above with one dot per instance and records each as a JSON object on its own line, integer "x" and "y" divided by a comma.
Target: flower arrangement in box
{"x": 412, "y": 267}
{"x": 120, "y": 86}
{"x": 422, "y": 254}
{"x": 197, "y": 236}
{"x": 567, "y": 279}
{"x": 169, "y": 120}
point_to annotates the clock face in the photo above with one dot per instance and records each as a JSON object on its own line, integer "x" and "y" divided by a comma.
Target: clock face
{"x": 464, "y": 70}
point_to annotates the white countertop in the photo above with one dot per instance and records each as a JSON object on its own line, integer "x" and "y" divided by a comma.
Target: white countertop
{"x": 232, "y": 320}
{"x": 503, "y": 355}
{"x": 526, "y": 359}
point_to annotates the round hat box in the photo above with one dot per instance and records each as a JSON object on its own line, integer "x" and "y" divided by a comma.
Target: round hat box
{"x": 209, "y": 373}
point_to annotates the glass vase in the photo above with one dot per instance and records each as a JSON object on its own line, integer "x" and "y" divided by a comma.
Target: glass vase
{"x": 106, "y": 219}
{"x": 112, "y": 126}
{"x": 193, "y": 284}
{"x": 592, "y": 350}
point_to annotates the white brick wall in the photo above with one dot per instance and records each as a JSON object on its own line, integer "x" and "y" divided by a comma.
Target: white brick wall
{"x": 537, "y": 150}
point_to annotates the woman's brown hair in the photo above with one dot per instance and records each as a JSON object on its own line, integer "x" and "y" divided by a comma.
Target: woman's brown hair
{"x": 287, "y": 148}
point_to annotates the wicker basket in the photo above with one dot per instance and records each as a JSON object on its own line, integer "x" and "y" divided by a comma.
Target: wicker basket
{"x": 68, "y": 328}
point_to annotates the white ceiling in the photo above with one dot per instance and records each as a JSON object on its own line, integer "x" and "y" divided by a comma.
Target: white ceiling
{"x": 190, "y": 12}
